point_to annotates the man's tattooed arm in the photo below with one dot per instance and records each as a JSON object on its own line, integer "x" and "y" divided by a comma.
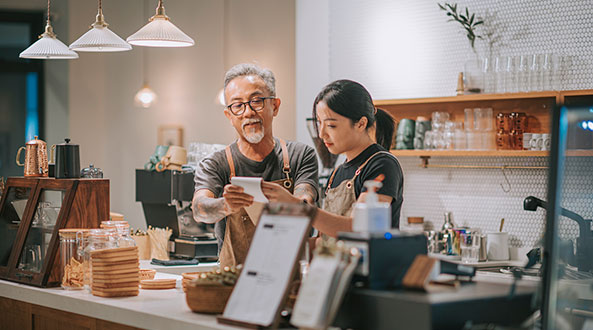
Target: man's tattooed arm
{"x": 206, "y": 208}
{"x": 305, "y": 192}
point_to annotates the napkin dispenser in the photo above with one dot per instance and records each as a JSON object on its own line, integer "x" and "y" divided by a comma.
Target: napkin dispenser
{"x": 385, "y": 256}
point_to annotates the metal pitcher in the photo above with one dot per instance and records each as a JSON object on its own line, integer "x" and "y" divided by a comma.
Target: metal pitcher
{"x": 35, "y": 158}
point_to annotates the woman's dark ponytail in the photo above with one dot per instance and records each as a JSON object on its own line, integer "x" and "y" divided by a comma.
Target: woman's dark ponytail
{"x": 385, "y": 128}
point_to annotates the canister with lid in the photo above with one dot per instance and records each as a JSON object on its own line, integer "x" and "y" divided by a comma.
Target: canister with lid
{"x": 98, "y": 239}
{"x": 72, "y": 244}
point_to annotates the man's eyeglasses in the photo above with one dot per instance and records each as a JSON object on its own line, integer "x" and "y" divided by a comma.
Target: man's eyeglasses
{"x": 257, "y": 104}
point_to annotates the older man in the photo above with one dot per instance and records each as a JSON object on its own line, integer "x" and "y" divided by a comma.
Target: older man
{"x": 250, "y": 95}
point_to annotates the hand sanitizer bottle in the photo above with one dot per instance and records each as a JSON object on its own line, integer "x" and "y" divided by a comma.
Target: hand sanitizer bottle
{"x": 372, "y": 215}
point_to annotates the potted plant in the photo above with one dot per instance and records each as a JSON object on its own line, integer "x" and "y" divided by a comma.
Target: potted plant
{"x": 473, "y": 77}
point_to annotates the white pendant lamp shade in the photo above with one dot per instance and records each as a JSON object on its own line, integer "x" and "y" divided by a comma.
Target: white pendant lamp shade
{"x": 100, "y": 38}
{"x": 145, "y": 97}
{"x": 160, "y": 32}
{"x": 48, "y": 47}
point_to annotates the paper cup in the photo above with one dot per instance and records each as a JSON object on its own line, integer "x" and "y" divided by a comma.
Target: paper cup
{"x": 498, "y": 246}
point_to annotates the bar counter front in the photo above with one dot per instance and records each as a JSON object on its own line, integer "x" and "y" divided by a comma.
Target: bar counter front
{"x": 485, "y": 299}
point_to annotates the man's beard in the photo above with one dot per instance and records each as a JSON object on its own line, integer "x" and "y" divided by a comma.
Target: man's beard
{"x": 250, "y": 134}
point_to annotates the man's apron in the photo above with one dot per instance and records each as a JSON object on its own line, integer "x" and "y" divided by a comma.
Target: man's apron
{"x": 239, "y": 226}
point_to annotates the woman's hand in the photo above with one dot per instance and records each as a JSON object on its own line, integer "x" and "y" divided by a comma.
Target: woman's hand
{"x": 235, "y": 198}
{"x": 276, "y": 193}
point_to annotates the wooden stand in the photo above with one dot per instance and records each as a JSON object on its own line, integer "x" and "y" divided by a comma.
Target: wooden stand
{"x": 84, "y": 204}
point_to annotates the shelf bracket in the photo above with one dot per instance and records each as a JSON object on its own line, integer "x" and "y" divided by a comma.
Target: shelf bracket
{"x": 424, "y": 161}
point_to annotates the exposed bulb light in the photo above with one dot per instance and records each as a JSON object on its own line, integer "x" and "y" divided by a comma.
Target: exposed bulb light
{"x": 48, "y": 46}
{"x": 220, "y": 97}
{"x": 145, "y": 97}
{"x": 100, "y": 38}
{"x": 160, "y": 32}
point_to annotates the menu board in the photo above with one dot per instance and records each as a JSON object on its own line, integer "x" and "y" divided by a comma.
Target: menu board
{"x": 270, "y": 265}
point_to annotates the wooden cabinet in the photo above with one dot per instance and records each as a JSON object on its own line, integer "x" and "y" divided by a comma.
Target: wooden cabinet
{"x": 32, "y": 210}
{"x": 16, "y": 314}
{"x": 537, "y": 105}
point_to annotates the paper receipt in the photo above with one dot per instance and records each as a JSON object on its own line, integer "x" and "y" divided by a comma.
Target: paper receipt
{"x": 251, "y": 186}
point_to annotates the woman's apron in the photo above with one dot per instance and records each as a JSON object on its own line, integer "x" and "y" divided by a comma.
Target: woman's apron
{"x": 239, "y": 226}
{"x": 340, "y": 200}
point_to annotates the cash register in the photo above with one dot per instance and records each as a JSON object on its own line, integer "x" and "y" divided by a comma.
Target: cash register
{"x": 166, "y": 201}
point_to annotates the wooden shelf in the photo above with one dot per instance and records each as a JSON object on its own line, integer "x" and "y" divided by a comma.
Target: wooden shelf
{"x": 472, "y": 97}
{"x": 485, "y": 153}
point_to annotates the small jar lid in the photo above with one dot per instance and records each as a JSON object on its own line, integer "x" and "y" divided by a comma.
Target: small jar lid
{"x": 71, "y": 232}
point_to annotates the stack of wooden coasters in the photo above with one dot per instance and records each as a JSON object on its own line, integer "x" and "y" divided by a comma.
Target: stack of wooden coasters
{"x": 158, "y": 284}
{"x": 115, "y": 272}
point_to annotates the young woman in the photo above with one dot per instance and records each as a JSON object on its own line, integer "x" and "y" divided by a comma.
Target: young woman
{"x": 349, "y": 124}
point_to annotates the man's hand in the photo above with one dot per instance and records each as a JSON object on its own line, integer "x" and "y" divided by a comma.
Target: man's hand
{"x": 208, "y": 209}
{"x": 235, "y": 198}
{"x": 276, "y": 193}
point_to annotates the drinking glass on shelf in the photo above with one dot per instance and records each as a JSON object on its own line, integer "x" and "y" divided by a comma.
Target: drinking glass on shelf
{"x": 438, "y": 120}
{"x": 438, "y": 139}
{"x": 459, "y": 142}
{"x": 448, "y": 135}
{"x": 523, "y": 73}
{"x": 483, "y": 119}
{"x": 547, "y": 72}
{"x": 510, "y": 81}
{"x": 470, "y": 247}
{"x": 428, "y": 140}
{"x": 499, "y": 74}
{"x": 468, "y": 122}
{"x": 488, "y": 71}
{"x": 535, "y": 70}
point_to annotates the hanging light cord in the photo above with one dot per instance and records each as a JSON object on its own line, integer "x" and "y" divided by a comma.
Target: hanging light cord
{"x": 49, "y": 31}
{"x": 47, "y": 12}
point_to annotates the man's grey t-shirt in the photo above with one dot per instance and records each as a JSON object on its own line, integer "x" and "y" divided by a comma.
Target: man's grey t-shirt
{"x": 213, "y": 172}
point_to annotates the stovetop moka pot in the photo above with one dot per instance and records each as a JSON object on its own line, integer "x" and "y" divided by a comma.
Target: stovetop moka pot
{"x": 35, "y": 158}
{"x": 67, "y": 160}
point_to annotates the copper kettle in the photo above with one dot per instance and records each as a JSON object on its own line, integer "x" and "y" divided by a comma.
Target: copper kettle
{"x": 35, "y": 158}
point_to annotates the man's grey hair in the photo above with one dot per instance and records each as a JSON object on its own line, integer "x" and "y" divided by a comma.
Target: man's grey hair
{"x": 248, "y": 69}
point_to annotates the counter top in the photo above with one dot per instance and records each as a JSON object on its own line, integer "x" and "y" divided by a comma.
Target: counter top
{"x": 167, "y": 309}
{"x": 151, "y": 309}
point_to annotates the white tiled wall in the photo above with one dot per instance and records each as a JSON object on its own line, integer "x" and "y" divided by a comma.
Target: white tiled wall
{"x": 403, "y": 49}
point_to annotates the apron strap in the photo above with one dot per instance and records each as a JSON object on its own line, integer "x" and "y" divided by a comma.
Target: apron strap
{"x": 351, "y": 181}
{"x": 229, "y": 159}
{"x": 331, "y": 179}
{"x": 286, "y": 161}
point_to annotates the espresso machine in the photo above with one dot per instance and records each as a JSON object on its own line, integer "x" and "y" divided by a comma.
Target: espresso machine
{"x": 166, "y": 200}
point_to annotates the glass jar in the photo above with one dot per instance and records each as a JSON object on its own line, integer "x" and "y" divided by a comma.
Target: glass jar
{"x": 122, "y": 228}
{"x": 98, "y": 239}
{"x": 123, "y": 232}
{"x": 91, "y": 172}
{"x": 72, "y": 244}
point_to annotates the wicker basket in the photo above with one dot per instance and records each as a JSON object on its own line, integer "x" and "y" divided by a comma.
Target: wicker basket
{"x": 147, "y": 274}
{"x": 210, "y": 299}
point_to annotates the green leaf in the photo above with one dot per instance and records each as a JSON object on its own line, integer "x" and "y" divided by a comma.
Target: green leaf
{"x": 441, "y": 6}
{"x": 478, "y": 23}
{"x": 471, "y": 20}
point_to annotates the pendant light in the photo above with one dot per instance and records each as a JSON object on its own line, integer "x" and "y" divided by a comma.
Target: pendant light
{"x": 160, "y": 32}
{"x": 100, "y": 38}
{"x": 145, "y": 97}
{"x": 48, "y": 46}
